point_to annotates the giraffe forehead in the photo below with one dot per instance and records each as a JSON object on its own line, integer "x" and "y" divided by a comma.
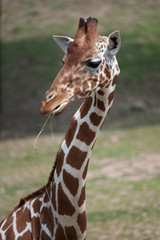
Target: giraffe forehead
{"x": 78, "y": 52}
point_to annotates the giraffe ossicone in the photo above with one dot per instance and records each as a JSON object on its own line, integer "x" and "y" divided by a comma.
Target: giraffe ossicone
{"x": 57, "y": 211}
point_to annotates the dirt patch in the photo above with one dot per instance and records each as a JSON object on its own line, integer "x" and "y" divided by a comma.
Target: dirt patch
{"x": 144, "y": 166}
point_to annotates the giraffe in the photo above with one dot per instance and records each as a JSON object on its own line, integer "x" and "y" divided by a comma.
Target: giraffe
{"x": 58, "y": 210}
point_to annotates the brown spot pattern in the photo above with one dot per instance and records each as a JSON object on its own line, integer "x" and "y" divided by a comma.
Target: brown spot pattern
{"x": 47, "y": 195}
{"x": 81, "y": 219}
{"x": 106, "y": 71}
{"x": 60, "y": 233}
{"x": 82, "y": 94}
{"x": 86, "y": 107}
{"x": 117, "y": 67}
{"x": 110, "y": 98}
{"x": 114, "y": 80}
{"x": 85, "y": 134}
{"x": 54, "y": 196}
{"x": 103, "y": 84}
{"x": 89, "y": 93}
{"x": 47, "y": 218}
{"x": 71, "y": 233}
{"x": 107, "y": 66}
{"x": 76, "y": 157}
{"x": 82, "y": 71}
{"x": 107, "y": 86}
{"x": 101, "y": 105}
{"x": 10, "y": 232}
{"x": 71, "y": 132}
{"x": 95, "y": 100}
{"x": 93, "y": 84}
{"x": 36, "y": 226}
{"x": 71, "y": 183}
{"x": 77, "y": 80}
{"x": 82, "y": 197}
{"x": 21, "y": 225}
{"x": 65, "y": 207}
{"x": 85, "y": 85}
{"x": 85, "y": 170}
{"x": 27, "y": 235}
{"x": 59, "y": 161}
{"x": 95, "y": 119}
{"x": 37, "y": 205}
{"x": 44, "y": 236}
{"x": 8, "y": 223}
{"x": 100, "y": 92}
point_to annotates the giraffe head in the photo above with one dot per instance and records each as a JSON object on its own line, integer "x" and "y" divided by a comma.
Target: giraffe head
{"x": 89, "y": 65}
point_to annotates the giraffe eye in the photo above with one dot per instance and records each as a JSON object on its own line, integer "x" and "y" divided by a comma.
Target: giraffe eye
{"x": 93, "y": 63}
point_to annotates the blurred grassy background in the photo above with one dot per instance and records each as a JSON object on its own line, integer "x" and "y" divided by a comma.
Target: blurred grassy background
{"x": 31, "y": 60}
{"x": 123, "y": 200}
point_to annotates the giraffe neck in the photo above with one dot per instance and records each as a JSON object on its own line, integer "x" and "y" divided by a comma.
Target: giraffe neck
{"x": 69, "y": 175}
{"x": 80, "y": 138}
{"x": 59, "y": 212}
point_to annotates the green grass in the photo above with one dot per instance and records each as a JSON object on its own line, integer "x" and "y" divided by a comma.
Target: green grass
{"x": 128, "y": 142}
{"x": 126, "y": 210}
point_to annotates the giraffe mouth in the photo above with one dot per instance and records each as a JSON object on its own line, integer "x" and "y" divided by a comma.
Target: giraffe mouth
{"x": 60, "y": 108}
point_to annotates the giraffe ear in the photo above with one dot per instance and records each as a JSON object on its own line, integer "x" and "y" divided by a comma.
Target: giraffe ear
{"x": 62, "y": 41}
{"x": 114, "y": 43}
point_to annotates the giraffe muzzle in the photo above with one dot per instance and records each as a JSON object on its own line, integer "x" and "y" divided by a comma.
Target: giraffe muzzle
{"x": 53, "y": 102}
{"x": 53, "y": 107}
